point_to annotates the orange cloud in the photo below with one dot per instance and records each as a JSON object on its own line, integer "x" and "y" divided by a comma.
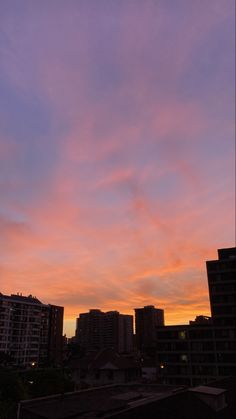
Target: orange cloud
{"x": 127, "y": 214}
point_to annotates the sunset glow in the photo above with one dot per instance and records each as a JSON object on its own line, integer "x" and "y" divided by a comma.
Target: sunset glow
{"x": 117, "y": 152}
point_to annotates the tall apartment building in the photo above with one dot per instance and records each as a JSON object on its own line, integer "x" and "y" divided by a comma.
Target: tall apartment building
{"x": 118, "y": 331}
{"x": 55, "y": 334}
{"x": 222, "y": 290}
{"x": 30, "y": 332}
{"x": 96, "y": 330}
{"x": 89, "y": 327}
{"x": 205, "y": 349}
{"x": 147, "y": 319}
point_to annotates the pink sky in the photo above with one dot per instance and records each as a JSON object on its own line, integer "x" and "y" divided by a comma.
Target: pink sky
{"x": 117, "y": 168}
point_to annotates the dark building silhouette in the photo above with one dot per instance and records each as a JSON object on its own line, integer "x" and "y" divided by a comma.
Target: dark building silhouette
{"x": 147, "y": 319}
{"x": 55, "y": 338}
{"x": 206, "y": 348}
{"x": 222, "y": 290}
{"x": 97, "y": 330}
{"x": 104, "y": 367}
{"x": 89, "y": 327}
{"x": 186, "y": 353}
{"x": 136, "y": 401}
{"x": 30, "y": 331}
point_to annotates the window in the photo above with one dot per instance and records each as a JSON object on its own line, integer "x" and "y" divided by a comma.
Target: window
{"x": 182, "y": 334}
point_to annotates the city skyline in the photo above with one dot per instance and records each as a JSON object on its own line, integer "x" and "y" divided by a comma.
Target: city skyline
{"x": 117, "y": 152}
{"x": 132, "y": 312}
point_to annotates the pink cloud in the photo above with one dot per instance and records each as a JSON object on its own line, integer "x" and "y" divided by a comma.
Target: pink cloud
{"x": 78, "y": 248}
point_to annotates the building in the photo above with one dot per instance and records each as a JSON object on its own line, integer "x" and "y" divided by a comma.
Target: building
{"x": 118, "y": 331}
{"x": 186, "y": 353}
{"x": 55, "y": 337}
{"x": 136, "y": 401}
{"x": 205, "y": 349}
{"x": 222, "y": 291}
{"x": 96, "y": 330}
{"x": 30, "y": 331}
{"x": 88, "y": 330}
{"x": 147, "y": 319}
{"x": 104, "y": 367}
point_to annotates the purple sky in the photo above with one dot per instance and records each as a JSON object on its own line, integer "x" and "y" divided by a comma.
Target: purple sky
{"x": 117, "y": 151}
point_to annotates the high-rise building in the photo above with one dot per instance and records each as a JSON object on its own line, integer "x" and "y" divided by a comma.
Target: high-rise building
{"x": 89, "y": 328}
{"x": 55, "y": 330}
{"x": 30, "y": 331}
{"x": 118, "y": 331}
{"x": 147, "y": 319}
{"x": 222, "y": 289}
{"x": 96, "y": 330}
{"x": 126, "y": 334}
{"x": 204, "y": 350}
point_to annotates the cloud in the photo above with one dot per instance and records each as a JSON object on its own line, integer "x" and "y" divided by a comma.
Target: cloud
{"x": 112, "y": 175}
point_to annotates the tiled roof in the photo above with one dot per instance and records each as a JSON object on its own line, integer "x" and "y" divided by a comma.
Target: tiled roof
{"x": 100, "y": 359}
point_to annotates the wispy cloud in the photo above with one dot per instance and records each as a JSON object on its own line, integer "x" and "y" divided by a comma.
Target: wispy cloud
{"x": 116, "y": 150}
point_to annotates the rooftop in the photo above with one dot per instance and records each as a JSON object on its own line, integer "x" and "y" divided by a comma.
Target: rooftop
{"x": 134, "y": 401}
{"x": 100, "y": 359}
{"x": 93, "y": 402}
{"x": 30, "y": 299}
{"x": 213, "y": 391}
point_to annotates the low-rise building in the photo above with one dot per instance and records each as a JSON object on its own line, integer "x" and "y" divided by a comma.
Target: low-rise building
{"x": 186, "y": 354}
{"x": 136, "y": 401}
{"x": 104, "y": 367}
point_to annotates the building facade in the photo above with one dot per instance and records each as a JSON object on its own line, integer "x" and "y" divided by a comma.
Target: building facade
{"x": 186, "y": 353}
{"x": 55, "y": 330}
{"x": 97, "y": 330}
{"x": 205, "y": 349}
{"x": 221, "y": 275}
{"x": 104, "y": 367}
{"x": 30, "y": 332}
{"x": 147, "y": 319}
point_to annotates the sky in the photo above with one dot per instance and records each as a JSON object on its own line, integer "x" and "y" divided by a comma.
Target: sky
{"x": 117, "y": 153}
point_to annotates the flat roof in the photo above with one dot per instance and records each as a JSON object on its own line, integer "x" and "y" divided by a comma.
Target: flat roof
{"x": 95, "y": 401}
{"x": 213, "y": 391}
